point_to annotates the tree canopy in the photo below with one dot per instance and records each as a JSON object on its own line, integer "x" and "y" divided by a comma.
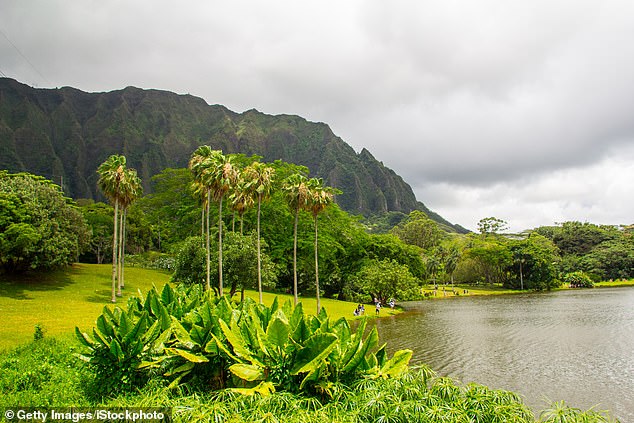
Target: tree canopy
{"x": 40, "y": 229}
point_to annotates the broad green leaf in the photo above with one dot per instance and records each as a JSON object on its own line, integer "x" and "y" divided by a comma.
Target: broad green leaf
{"x": 263, "y": 388}
{"x": 187, "y": 367}
{"x": 84, "y": 338}
{"x": 181, "y": 334}
{"x": 278, "y": 330}
{"x": 314, "y": 352}
{"x": 100, "y": 338}
{"x": 137, "y": 330}
{"x": 194, "y": 358}
{"x": 116, "y": 351}
{"x": 235, "y": 340}
{"x": 167, "y": 295}
{"x": 360, "y": 354}
{"x": 124, "y": 325}
{"x": 397, "y": 364}
{"x": 104, "y": 326}
{"x": 222, "y": 347}
{"x": 301, "y": 332}
{"x": 248, "y": 372}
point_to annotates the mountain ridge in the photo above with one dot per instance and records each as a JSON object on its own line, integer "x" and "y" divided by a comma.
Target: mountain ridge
{"x": 66, "y": 133}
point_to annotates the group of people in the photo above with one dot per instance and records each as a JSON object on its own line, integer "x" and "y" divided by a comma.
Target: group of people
{"x": 360, "y": 310}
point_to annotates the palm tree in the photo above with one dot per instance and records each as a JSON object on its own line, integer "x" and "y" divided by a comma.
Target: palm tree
{"x": 319, "y": 198}
{"x": 242, "y": 198}
{"x": 297, "y": 194}
{"x": 200, "y": 165}
{"x": 111, "y": 174}
{"x": 220, "y": 178}
{"x": 259, "y": 179}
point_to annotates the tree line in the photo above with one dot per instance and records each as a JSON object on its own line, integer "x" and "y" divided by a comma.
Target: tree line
{"x": 280, "y": 229}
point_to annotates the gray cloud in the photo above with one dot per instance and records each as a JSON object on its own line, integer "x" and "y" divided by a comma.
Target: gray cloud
{"x": 490, "y": 108}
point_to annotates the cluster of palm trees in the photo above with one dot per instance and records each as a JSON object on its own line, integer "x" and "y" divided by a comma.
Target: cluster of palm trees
{"x": 216, "y": 176}
{"x": 122, "y": 186}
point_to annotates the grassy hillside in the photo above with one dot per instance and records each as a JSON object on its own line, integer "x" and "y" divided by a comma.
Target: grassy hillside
{"x": 59, "y": 301}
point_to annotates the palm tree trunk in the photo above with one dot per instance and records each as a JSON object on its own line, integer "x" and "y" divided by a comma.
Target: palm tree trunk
{"x": 317, "y": 267}
{"x": 208, "y": 286}
{"x": 202, "y": 224}
{"x": 120, "y": 252}
{"x": 295, "y": 256}
{"x": 220, "y": 248}
{"x": 114, "y": 252}
{"x": 122, "y": 241}
{"x": 259, "y": 257}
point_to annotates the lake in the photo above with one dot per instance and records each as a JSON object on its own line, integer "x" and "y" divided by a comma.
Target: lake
{"x": 572, "y": 345}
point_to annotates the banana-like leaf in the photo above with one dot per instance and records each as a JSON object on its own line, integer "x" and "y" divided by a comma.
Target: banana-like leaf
{"x": 278, "y": 330}
{"x": 152, "y": 333}
{"x": 158, "y": 346}
{"x": 397, "y": 364}
{"x": 370, "y": 342}
{"x": 187, "y": 367}
{"x": 124, "y": 325}
{"x": 224, "y": 348}
{"x": 84, "y": 338}
{"x": 263, "y": 388}
{"x": 235, "y": 339}
{"x": 301, "y": 332}
{"x": 181, "y": 334}
{"x": 100, "y": 338}
{"x": 167, "y": 295}
{"x": 194, "y": 358}
{"x": 104, "y": 326}
{"x": 248, "y": 372}
{"x": 116, "y": 351}
{"x": 137, "y": 330}
{"x": 314, "y": 352}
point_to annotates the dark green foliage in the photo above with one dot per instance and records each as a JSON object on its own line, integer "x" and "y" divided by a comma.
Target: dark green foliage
{"x": 419, "y": 230}
{"x": 384, "y": 279}
{"x": 38, "y": 335}
{"x": 189, "y": 266}
{"x": 40, "y": 229}
{"x": 603, "y": 252}
{"x": 578, "y": 280}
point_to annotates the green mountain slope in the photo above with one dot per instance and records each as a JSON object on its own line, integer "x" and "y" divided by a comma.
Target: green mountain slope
{"x": 64, "y": 134}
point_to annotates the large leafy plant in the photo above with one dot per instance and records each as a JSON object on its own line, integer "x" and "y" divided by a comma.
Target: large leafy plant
{"x": 195, "y": 339}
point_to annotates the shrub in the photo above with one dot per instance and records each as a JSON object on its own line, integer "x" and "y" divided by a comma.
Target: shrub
{"x": 578, "y": 279}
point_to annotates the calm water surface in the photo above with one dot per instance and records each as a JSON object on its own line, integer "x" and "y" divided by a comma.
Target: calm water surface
{"x": 575, "y": 345}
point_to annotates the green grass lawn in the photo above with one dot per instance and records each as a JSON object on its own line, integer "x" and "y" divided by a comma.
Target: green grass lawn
{"x": 459, "y": 290}
{"x": 61, "y": 300}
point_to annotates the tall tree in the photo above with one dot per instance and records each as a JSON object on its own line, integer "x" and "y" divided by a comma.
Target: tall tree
{"x": 319, "y": 197}
{"x": 221, "y": 177}
{"x": 297, "y": 193}
{"x": 259, "y": 179}
{"x": 111, "y": 174}
{"x": 200, "y": 165}
{"x": 131, "y": 189}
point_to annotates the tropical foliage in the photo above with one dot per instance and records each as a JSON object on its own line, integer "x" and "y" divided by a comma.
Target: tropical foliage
{"x": 40, "y": 229}
{"x": 193, "y": 338}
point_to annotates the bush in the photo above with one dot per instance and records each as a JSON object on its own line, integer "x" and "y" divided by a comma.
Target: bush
{"x": 578, "y": 279}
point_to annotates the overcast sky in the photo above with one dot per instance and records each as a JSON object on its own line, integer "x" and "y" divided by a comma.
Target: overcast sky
{"x": 522, "y": 110}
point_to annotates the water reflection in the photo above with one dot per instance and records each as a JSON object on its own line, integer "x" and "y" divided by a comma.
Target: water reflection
{"x": 573, "y": 345}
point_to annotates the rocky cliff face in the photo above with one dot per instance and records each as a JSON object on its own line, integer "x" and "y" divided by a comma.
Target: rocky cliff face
{"x": 64, "y": 134}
